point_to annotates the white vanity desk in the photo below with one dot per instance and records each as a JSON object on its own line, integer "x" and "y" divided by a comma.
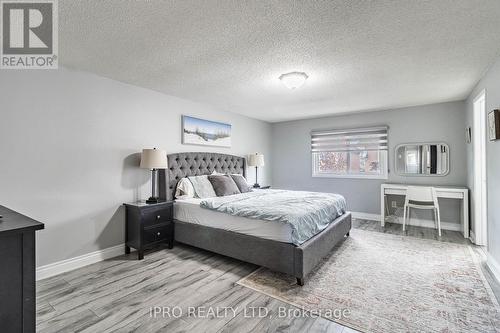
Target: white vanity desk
{"x": 460, "y": 193}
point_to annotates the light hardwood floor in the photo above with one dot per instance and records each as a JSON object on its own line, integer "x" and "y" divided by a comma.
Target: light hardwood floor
{"x": 116, "y": 295}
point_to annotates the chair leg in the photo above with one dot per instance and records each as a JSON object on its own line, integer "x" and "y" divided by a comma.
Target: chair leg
{"x": 404, "y": 217}
{"x": 439, "y": 221}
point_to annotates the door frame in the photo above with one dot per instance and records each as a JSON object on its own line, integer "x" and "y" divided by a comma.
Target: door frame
{"x": 479, "y": 134}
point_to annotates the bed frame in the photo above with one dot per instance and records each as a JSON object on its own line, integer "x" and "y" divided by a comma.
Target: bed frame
{"x": 278, "y": 256}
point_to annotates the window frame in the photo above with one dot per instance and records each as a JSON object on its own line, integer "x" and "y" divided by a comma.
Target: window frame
{"x": 383, "y": 160}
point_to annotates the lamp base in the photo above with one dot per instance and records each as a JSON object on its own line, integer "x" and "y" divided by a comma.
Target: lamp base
{"x": 153, "y": 200}
{"x": 256, "y": 185}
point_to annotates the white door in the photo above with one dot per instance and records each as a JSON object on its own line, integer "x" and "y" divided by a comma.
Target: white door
{"x": 479, "y": 153}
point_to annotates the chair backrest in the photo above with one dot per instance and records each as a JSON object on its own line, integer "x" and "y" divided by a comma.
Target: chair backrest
{"x": 420, "y": 193}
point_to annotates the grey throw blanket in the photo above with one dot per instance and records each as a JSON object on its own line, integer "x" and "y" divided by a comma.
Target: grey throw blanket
{"x": 307, "y": 213}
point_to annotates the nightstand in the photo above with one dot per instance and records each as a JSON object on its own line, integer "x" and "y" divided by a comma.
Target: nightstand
{"x": 262, "y": 187}
{"x": 147, "y": 225}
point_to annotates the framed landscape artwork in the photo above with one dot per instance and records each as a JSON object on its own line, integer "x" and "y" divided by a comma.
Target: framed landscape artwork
{"x": 196, "y": 131}
{"x": 494, "y": 125}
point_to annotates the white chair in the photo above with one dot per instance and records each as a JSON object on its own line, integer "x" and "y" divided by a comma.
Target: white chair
{"x": 422, "y": 197}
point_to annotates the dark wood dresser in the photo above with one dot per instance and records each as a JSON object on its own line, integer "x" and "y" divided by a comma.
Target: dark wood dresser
{"x": 148, "y": 225}
{"x": 17, "y": 271}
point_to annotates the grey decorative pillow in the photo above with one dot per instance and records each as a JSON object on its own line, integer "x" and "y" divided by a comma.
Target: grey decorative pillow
{"x": 223, "y": 185}
{"x": 241, "y": 182}
{"x": 202, "y": 187}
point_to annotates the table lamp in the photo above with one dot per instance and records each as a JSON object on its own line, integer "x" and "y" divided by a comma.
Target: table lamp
{"x": 256, "y": 160}
{"x": 153, "y": 159}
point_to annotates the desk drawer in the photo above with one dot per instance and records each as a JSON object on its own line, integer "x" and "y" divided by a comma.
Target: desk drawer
{"x": 394, "y": 191}
{"x": 449, "y": 195}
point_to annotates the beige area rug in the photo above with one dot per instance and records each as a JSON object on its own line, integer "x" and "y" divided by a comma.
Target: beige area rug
{"x": 392, "y": 283}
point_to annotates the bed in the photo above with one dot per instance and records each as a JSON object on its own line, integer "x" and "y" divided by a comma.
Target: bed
{"x": 259, "y": 242}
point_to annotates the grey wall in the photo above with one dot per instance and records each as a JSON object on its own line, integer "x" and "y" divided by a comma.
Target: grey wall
{"x": 491, "y": 83}
{"x": 439, "y": 122}
{"x": 69, "y": 144}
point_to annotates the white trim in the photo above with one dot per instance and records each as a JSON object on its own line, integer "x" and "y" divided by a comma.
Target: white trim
{"x": 66, "y": 265}
{"x": 365, "y": 216}
{"x": 493, "y": 266}
{"x": 479, "y": 96}
{"x": 472, "y": 237}
{"x": 480, "y": 194}
{"x": 415, "y": 222}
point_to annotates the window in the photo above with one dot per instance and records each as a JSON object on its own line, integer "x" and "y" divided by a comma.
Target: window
{"x": 353, "y": 153}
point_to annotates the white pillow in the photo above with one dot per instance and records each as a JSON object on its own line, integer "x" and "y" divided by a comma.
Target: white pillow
{"x": 215, "y": 173}
{"x": 184, "y": 189}
{"x": 202, "y": 187}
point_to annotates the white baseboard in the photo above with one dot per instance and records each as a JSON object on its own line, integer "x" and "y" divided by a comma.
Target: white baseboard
{"x": 62, "y": 266}
{"x": 418, "y": 223}
{"x": 493, "y": 266}
{"x": 472, "y": 237}
{"x": 366, "y": 216}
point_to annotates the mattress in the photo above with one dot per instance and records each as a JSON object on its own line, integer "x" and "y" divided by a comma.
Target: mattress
{"x": 307, "y": 213}
{"x": 189, "y": 211}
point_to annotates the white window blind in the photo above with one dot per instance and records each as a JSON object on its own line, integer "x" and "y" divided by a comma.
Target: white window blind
{"x": 361, "y": 139}
{"x": 350, "y": 153}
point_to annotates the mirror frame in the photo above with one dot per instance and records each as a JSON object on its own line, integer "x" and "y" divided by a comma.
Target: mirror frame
{"x": 414, "y": 174}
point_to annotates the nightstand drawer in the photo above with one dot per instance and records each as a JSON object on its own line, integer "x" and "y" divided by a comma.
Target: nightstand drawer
{"x": 152, "y": 217}
{"x": 156, "y": 234}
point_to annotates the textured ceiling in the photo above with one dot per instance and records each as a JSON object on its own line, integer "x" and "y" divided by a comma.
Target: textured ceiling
{"x": 359, "y": 55}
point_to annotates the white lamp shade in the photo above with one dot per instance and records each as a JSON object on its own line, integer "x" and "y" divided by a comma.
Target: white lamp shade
{"x": 153, "y": 159}
{"x": 256, "y": 160}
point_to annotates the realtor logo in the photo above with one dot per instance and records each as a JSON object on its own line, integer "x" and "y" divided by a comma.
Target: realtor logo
{"x": 29, "y": 34}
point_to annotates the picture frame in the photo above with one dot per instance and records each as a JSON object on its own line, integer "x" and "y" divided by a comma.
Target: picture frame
{"x": 494, "y": 125}
{"x": 202, "y": 132}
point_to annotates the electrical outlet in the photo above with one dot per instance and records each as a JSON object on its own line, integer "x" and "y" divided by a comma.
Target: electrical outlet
{"x": 394, "y": 204}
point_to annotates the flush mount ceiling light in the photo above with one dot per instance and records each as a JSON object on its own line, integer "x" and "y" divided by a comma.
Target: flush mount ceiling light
{"x": 293, "y": 80}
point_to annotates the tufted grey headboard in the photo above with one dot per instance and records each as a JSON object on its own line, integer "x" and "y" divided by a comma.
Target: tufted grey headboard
{"x": 182, "y": 165}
